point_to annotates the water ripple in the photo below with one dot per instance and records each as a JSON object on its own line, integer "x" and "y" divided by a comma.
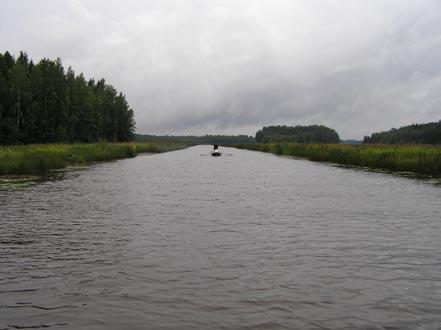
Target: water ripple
{"x": 254, "y": 241}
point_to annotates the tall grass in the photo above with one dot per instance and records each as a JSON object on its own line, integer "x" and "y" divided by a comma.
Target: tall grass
{"x": 37, "y": 159}
{"x": 420, "y": 159}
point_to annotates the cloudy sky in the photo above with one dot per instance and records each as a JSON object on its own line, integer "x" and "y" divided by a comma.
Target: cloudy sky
{"x": 232, "y": 66}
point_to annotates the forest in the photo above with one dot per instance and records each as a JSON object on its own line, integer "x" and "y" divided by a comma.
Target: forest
{"x": 297, "y": 134}
{"x": 429, "y": 133}
{"x": 43, "y": 103}
{"x": 195, "y": 140}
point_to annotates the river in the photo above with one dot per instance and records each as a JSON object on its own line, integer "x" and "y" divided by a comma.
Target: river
{"x": 248, "y": 241}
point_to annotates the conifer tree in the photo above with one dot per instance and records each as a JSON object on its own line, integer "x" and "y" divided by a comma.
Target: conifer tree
{"x": 42, "y": 103}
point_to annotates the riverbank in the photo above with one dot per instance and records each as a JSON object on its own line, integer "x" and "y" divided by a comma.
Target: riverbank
{"x": 39, "y": 159}
{"x": 422, "y": 160}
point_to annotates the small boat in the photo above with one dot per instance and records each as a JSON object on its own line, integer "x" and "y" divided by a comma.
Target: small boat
{"x": 215, "y": 152}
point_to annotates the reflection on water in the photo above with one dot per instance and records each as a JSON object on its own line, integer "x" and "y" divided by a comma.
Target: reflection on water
{"x": 18, "y": 182}
{"x": 252, "y": 241}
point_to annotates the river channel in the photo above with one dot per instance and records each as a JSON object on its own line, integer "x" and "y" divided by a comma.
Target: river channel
{"x": 248, "y": 241}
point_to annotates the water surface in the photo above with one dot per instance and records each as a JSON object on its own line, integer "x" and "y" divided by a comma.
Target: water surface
{"x": 250, "y": 241}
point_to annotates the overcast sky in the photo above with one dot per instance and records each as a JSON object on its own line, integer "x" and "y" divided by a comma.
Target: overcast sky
{"x": 233, "y": 66}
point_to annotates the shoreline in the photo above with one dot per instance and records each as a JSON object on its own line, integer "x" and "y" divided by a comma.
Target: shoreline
{"x": 39, "y": 159}
{"x": 423, "y": 160}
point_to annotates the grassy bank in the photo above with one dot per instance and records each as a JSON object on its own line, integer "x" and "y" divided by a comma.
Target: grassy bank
{"x": 420, "y": 159}
{"x": 38, "y": 159}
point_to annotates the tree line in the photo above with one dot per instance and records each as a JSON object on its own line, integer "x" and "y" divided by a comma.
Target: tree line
{"x": 195, "y": 140}
{"x": 429, "y": 133}
{"x": 297, "y": 134}
{"x": 44, "y": 103}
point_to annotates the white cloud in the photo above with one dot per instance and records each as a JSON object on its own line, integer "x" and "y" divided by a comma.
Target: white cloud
{"x": 201, "y": 66}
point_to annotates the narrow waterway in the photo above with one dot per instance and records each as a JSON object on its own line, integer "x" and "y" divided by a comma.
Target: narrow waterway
{"x": 249, "y": 241}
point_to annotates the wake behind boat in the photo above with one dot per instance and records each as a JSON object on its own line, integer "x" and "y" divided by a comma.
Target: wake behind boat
{"x": 215, "y": 152}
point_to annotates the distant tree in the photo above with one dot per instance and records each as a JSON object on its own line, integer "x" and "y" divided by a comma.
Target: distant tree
{"x": 297, "y": 134}
{"x": 429, "y": 133}
{"x": 195, "y": 140}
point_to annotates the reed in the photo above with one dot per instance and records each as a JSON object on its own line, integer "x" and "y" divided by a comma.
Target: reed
{"x": 419, "y": 159}
{"x": 38, "y": 159}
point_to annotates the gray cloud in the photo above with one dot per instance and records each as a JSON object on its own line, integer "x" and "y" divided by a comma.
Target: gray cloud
{"x": 199, "y": 66}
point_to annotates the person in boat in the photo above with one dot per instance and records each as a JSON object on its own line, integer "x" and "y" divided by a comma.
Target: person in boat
{"x": 215, "y": 151}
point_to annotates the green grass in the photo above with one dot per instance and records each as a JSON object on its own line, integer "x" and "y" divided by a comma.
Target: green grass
{"x": 419, "y": 159}
{"x": 39, "y": 159}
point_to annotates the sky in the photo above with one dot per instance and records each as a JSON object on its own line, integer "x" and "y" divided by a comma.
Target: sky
{"x": 232, "y": 66}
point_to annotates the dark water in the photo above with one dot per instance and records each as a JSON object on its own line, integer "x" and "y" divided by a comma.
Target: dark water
{"x": 251, "y": 241}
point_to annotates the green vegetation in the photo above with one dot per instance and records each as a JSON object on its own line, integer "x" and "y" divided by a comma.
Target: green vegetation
{"x": 14, "y": 182}
{"x": 424, "y": 160}
{"x": 429, "y": 133}
{"x": 42, "y": 103}
{"x": 38, "y": 159}
{"x": 297, "y": 134}
{"x": 195, "y": 140}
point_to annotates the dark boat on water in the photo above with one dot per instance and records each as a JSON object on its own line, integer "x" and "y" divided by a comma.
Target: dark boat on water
{"x": 215, "y": 152}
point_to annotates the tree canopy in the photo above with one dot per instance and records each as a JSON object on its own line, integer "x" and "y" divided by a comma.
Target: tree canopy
{"x": 429, "y": 133}
{"x": 297, "y": 134}
{"x": 44, "y": 103}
